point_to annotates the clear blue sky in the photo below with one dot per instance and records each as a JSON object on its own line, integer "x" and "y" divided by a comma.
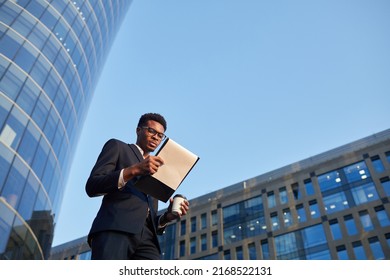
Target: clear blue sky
{"x": 249, "y": 86}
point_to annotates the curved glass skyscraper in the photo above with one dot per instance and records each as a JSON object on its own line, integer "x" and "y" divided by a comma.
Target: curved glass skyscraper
{"x": 51, "y": 55}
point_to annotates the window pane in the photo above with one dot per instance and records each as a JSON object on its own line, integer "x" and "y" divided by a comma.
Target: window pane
{"x": 386, "y": 185}
{"x": 301, "y": 213}
{"x": 252, "y": 251}
{"x": 309, "y": 187}
{"x": 287, "y": 218}
{"x": 329, "y": 181}
{"x": 376, "y": 248}
{"x": 203, "y": 221}
{"x": 271, "y": 200}
{"x": 366, "y": 221}
{"x": 274, "y": 221}
{"x": 378, "y": 165}
{"x": 314, "y": 211}
{"x": 335, "y": 202}
{"x": 335, "y": 229}
{"x": 283, "y": 198}
{"x": 382, "y": 217}
{"x": 359, "y": 251}
{"x": 356, "y": 172}
{"x": 365, "y": 193}
{"x": 296, "y": 191}
{"x": 350, "y": 225}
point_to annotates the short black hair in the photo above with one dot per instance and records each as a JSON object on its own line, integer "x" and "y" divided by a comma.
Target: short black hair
{"x": 152, "y": 117}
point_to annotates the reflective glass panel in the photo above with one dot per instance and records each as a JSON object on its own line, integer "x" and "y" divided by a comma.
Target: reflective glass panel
{"x": 283, "y": 197}
{"x": 365, "y": 193}
{"x": 335, "y": 229}
{"x": 350, "y": 225}
{"x": 357, "y": 172}
{"x": 359, "y": 251}
{"x": 386, "y": 185}
{"x": 378, "y": 165}
{"x": 335, "y": 202}
{"x": 366, "y": 221}
{"x": 329, "y": 181}
{"x": 376, "y": 248}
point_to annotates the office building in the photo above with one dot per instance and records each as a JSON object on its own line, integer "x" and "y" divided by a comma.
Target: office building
{"x": 51, "y": 55}
{"x": 334, "y": 205}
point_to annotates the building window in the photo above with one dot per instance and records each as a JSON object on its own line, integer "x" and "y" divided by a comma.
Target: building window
{"x": 239, "y": 253}
{"x": 364, "y": 193}
{"x": 192, "y": 245}
{"x": 308, "y": 243}
{"x": 309, "y": 187}
{"x": 378, "y": 165}
{"x": 359, "y": 250}
{"x": 242, "y": 210}
{"x": 366, "y": 221}
{"x": 183, "y": 227}
{"x": 335, "y": 229}
{"x": 271, "y": 200}
{"x": 227, "y": 255}
{"x": 214, "y": 239}
{"x": 382, "y": 216}
{"x": 335, "y": 202}
{"x": 255, "y": 227}
{"x": 252, "y": 251}
{"x": 330, "y": 180}
{"x": 388, "y": 156}
{"x": 231, "y": 213}
{"x": 350, "y": 225}
{"x": 253, "y": 206}
{"x": 387, "y": 235}
{"x": 385, "y": 182}
{"x": 85, "y": 255}
{"x": 182, "y": 248}
{"x": 287, "y": 218}
{"x": 296, "y": 191}
{"x": 283, "y": 197}
{"x": 193, "y": 224}
{"x": 203, "y": 242}
{"x": 214, "y": 218}
{"x": 203, "y": 221}
{"x": 356, "y": 172}
{"x": 232, "y": 234}
{"x": 376, "y": 248}
{"x": 274, "y": 221}
{"x": 314, "y": 211}
{"x": 265, "y": 250}
{"x": 301, "y": 213}
{"x": 342, "y": 253}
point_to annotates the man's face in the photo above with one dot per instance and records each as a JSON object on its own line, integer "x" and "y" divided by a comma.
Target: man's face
{"x": 150, "y": 136}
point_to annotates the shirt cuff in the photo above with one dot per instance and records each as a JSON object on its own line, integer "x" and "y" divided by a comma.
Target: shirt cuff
{"x": 159, "y": 219}
{"x": 121, "y": 181}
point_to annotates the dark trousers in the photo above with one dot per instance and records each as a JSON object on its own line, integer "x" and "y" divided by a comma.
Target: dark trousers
{"x": 117, "y": 245}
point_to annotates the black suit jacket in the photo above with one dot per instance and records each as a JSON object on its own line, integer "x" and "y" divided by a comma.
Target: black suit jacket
{"x": 121, "y": 210}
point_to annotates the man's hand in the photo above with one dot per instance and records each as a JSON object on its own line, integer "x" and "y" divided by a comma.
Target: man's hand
{"x": 148, "y": 166}
{"x": 169, "y": 216}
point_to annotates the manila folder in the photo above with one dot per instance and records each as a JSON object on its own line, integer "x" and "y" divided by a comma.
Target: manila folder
{"x": 178, "y": 162}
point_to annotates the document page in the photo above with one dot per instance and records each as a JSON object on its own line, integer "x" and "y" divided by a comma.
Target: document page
{"x": 178, "y": 162}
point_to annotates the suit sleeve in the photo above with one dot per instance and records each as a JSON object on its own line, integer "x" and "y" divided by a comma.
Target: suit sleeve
{"x": 104, "y": 175}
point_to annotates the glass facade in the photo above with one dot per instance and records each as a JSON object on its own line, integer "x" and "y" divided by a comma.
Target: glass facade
{"x": 51, "y": 55}
{"x": 337, "y": 206}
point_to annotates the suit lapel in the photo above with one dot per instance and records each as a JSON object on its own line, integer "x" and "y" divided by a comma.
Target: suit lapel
{"x": 136, "y": 152}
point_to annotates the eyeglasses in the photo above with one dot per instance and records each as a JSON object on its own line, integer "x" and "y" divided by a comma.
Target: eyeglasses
{"x": 153, "y": 132}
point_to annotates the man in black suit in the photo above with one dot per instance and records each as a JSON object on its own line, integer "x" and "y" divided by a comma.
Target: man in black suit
{"x": 126, "y": 225}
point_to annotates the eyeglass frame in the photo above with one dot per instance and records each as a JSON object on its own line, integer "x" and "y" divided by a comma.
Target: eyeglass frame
{"x": 154, "y": 132}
